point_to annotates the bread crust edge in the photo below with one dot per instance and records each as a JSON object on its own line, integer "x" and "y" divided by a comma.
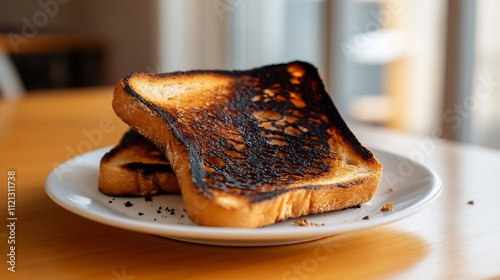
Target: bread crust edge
{"x": 228, "y": 210}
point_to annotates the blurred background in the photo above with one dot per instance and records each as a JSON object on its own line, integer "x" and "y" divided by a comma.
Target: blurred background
{"x": 430, "y": 67}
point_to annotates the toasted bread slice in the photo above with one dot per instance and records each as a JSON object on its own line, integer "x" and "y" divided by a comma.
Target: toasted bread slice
{"x": 251, "y": 148}
{"x": 135, "y": 167}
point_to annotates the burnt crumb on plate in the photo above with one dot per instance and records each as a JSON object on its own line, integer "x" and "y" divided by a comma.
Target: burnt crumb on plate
{"x": 302, "y": 223}
{"x": 305, "y": 223}
{"x": 387, "y": 207}
{"x": 128, "y": 204}
{"x": 471, "y": 202}
{"x": 148, "y": 198}
{"x": 366, "y": 217}
{"x": 140, "y": 213}
{"x": 110, "y": 201}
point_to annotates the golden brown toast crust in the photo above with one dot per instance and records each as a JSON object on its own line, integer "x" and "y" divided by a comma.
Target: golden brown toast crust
{"x": 247, "y": 139}
{"x": 135, "y": 167}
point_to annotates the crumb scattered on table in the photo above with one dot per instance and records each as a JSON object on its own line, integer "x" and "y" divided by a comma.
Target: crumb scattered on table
{"x": 387, "y": 207}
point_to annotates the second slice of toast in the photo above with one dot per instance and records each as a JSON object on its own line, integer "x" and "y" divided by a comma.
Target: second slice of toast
{"x": 251, "y": 148}
{"x": 135, "y": 167}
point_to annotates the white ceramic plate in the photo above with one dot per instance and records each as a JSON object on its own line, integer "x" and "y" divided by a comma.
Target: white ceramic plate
{"x": 407, "y": 185}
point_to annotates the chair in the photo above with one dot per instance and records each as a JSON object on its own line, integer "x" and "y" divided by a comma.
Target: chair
{"x": 11, "y": 85}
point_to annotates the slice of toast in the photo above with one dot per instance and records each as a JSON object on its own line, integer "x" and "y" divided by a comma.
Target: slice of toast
{"x": 135, "y": 167}
{"x": 250, "y": 148}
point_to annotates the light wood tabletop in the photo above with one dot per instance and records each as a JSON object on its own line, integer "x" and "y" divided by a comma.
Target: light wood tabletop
{"x": 456, "y": 237}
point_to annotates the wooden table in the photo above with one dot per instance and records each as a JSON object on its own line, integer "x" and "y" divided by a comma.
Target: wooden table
{"x": 450, "y": 239}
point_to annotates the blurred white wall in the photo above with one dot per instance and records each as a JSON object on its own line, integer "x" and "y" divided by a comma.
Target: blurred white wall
{"x": 191, "y": 35}
{"x": 267, "y": 32}
{"x": 425, "y": 29}
{"x": 484, "y": 101}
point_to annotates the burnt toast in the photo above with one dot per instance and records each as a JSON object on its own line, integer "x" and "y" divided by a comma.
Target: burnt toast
{"x": 135, "y": 167}
{"x": 251, "y": 147}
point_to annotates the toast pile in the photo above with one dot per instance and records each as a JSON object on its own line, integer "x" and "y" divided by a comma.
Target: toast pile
{"x": 250, "y": 148}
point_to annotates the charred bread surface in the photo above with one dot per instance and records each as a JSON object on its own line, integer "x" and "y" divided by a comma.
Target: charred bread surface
{"x": 250, "y": 148}
{"x": 135, "y": 167}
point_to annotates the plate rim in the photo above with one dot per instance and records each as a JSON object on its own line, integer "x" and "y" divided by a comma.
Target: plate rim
{"x": 222, "y": 235}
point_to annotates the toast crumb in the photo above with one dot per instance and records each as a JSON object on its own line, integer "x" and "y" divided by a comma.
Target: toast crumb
{"x": 305, "y": 223}
{"x": 302, "y": 223}
{"x": 128, "y": 204}
{"x": 471, "y": 202}
{"x": 387, "y": 207}
{"x": 366, "y": 217}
